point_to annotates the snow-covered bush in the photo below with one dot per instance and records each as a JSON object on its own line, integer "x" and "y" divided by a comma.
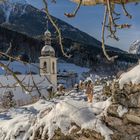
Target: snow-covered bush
{"x": 7, "y": 100}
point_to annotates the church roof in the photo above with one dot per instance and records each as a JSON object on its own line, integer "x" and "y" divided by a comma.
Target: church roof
{"x": 48, "y": 50}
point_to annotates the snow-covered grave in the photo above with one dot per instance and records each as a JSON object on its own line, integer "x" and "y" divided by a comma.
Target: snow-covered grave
{"x": 45, "y": 117}
{"x": 22, "y": 97}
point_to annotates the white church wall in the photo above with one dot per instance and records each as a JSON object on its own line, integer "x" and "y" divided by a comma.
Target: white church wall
{"x": 51, "y": 69}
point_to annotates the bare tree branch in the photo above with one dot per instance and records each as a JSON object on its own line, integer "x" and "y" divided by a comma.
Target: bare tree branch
{"x": 75, "y": 11}
{"x": 56, "y": 27}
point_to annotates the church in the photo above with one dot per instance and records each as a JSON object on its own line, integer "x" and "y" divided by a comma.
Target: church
{"x": 47, "y": 66}
{"x": 48, "y": 61}
{"x": 35, "y": 77}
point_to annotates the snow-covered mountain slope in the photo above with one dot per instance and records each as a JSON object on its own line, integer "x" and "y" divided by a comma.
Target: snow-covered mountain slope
{"x": 9, "y": 6}
{"x": 70, "y": 67}
{"x": 34, "y": 68}
{"x": 21, "y": 68}
{"x": 63, "y": 68}
{"x": 135, "y": 47}
{"x": 21, "y": 16}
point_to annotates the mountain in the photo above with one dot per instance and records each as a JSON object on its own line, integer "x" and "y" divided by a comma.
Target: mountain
{"x": 135, "y": 47}
{"x": 24, "y": 25}
{"x": 19, "y": 16}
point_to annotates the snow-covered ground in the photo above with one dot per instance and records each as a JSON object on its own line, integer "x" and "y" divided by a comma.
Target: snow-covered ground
{"x": 20, "y": 67}
{"x": 131, "y": 76}
{"x": 8, "y": 83}
{"x": 34, "y": 68}
{"x": 60, "y": 112}
{"x": 70, "y": 67}
{"x": 68, "y": 73}
{"x": 22, "y": 123}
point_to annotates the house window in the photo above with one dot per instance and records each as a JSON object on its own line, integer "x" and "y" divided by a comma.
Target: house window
{"x": 53, "y": 68}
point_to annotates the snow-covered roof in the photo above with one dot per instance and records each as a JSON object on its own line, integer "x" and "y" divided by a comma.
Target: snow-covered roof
{"x": 48, "y": 50}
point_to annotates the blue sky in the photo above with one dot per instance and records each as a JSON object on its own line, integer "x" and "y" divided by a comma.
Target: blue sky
{"x": 89, "y": 20}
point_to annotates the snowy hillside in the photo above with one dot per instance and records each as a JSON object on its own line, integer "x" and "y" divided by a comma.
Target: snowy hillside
{"x": 9, "y": 6}
{"x": 70, "y": 67}
{"x": 20, "y": 68}
{"x": 135, "y": 47}
{"x": 63, "y": 67}
{"x": 23, "y": 17}
{"x": 8, "y": 83}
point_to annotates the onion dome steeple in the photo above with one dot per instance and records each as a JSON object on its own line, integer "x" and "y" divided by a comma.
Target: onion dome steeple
{"x": 47, "y": 50}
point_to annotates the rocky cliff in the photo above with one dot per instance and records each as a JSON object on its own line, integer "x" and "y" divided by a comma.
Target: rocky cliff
{"x": 135, "y": 47}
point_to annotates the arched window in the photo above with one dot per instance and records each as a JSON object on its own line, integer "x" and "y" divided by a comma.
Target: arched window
{"x": 45, "y": 67}
{"x": 53, "y": 67}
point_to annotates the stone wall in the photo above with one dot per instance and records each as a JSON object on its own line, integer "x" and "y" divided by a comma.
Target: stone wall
{"x": 123, "y": 116}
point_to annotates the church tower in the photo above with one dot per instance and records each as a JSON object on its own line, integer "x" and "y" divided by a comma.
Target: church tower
{"x": 48, "y": 61}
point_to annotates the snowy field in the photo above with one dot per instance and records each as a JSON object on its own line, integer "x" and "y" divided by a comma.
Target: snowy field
{"x": 19, "y": 67}
{"x": 70, "y": 67}
{"x": 23, "y": 123}
{"x": 22, "y": 68}
{"x": 8, "y": 83}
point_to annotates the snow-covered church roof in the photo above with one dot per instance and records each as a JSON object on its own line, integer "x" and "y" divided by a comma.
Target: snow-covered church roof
{"x": 48, "y": 50}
